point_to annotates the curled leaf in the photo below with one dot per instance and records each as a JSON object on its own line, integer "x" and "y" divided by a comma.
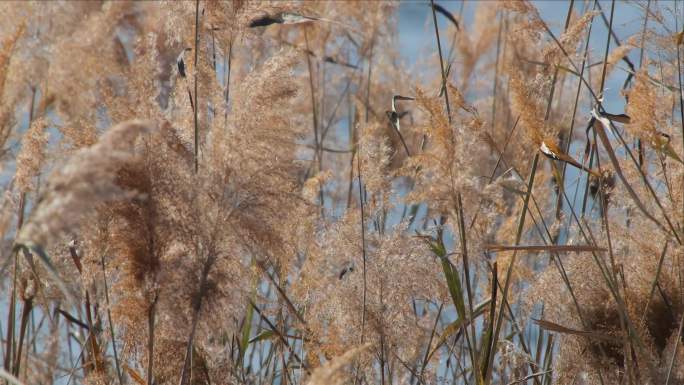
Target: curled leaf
{"x": 441, "y": 10}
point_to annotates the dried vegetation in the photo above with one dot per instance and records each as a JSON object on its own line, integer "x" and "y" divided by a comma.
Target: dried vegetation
{"x": 205, "y": 192}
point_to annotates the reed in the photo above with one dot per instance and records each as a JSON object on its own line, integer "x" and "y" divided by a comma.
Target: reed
{"x": 213, "y": 192}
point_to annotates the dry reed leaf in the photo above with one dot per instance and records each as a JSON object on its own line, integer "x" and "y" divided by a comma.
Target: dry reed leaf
{"x": 553, "y": 327}
{"x": 545, "y": 248}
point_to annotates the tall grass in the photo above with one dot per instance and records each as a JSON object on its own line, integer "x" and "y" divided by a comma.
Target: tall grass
{"x": 209, "y": 192}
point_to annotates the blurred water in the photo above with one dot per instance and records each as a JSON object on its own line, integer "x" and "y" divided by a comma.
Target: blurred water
{"x": 417, "y": 36}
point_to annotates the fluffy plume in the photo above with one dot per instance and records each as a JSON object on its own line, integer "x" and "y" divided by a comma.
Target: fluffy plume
{"x": 332, "y": 372}
{"x": 86, "y": 180}
{"x": 32, "y": 154}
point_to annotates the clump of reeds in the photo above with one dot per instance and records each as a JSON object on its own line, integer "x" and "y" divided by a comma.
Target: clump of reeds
{"x": 263, "y": 193}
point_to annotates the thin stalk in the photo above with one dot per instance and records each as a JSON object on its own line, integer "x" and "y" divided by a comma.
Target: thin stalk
{"x": 361, "y": 206}
{"x": 654, "y": 284}
{"x": 441, "y": 62}
{"x": 314, "y": 113}
{"x": 151, "y": 314}
{"x": 361, "y": 200}
{"x": 609, "y": 25}
{"x": 27, "y": 308}
{"x": 111, "y": 325}
{"x": 9, "y": 339}
{"x": 509, "y": 272}
{"x": 643, "y": 33}
{"x": 432, "y": 336}
{"x": 196, "y": 70}
{"x": 681, "y": 102}
{"x": 555, "y": 72}
{"x": 466, "y": 272}
{"x": 516, "y": 330}
{"x": 28, "y": 303}
{"x": 614, "y": 269}
{"x": 490, "y": 327}
{"x": 94, "y": 347}
{"x": 674, "y": 353}
{"x": 612, "y": 33}
{"x": 496, "y": 71}
{"x": 227, "y": 70}
{"x": 382, "y": 347}
{"x": 197, "y": 307}
{"x": 213, "y": 50}
{"x": 352, "y": 145}
{"x": 559, "y": 202}
{"x": 605, "y": 56}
